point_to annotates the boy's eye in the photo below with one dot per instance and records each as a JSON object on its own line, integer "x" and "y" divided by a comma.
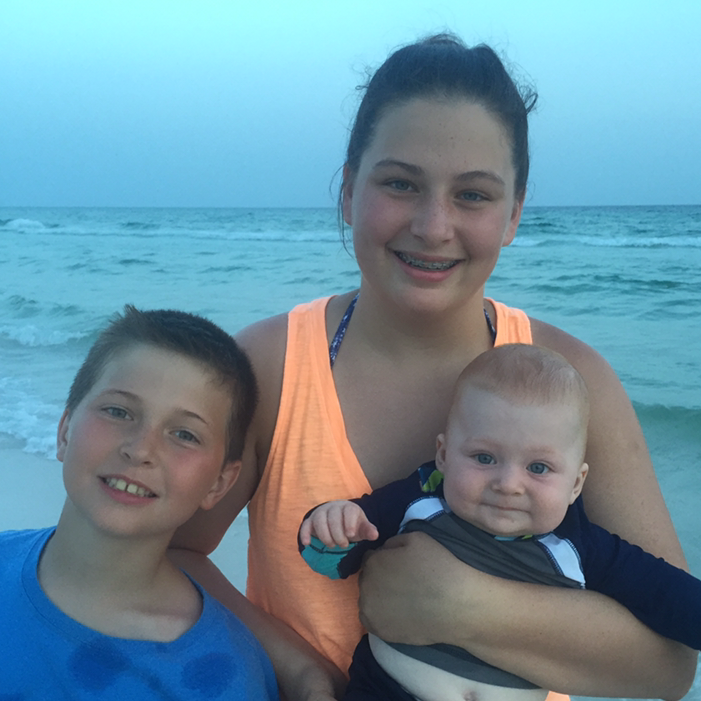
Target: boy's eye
{"x": 484, "y": 459}
{"x": 185, "y": 435}
{"x": 538, "y": 468}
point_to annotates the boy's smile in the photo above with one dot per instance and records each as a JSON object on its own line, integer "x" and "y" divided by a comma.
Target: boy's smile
{"x": 151, "y": 433}
{"x": 128, "y": 487}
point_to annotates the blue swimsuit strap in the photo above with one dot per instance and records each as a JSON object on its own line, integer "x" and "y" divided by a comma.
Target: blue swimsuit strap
{"x": 341, "y": 330}
{"x": 343, "y": 326}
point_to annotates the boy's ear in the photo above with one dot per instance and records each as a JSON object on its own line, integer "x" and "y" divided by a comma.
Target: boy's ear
{"x": 225, "y": 481}
{"x": 62, "y": 436}
{"x": 579, "y": 482}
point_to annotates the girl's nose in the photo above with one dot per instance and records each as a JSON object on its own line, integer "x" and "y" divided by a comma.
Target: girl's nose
{"x": 432, "y": 221}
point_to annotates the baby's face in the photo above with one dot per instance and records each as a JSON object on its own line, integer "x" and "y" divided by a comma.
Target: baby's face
{"x": 511, "y": 469}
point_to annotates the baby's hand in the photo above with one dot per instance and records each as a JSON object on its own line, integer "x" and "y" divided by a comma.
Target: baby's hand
{"x": 337, "y": 523}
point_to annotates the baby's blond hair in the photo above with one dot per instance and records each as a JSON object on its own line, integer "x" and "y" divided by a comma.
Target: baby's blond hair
{"x": 527, "y": 374}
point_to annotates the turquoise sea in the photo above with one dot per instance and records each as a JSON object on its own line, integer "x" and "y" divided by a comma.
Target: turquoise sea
{"x": 626, "y": 280}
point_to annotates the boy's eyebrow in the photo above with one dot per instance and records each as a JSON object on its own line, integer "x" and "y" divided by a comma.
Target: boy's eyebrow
{"x": 418, "y": 170}
{"x": 137, "y": 398}
{"x": 193, "y": 415}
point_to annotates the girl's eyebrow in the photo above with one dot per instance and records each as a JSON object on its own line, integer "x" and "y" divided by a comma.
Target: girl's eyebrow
{"x": 390, "y": 162}
{"x": 417, "y": 170}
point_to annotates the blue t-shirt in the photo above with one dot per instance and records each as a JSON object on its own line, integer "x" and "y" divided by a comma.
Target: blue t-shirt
{"x": 45, "y": 654}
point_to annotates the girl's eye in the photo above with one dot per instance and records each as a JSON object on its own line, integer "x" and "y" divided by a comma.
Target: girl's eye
{"x": 400, "y": 185}
{"x": 538, "y": 468}
{"x": 484, "y": 459}
{"x": 185, "y": 435}
{"x": 116, "y": 412}
{"x": 471, "y": 196}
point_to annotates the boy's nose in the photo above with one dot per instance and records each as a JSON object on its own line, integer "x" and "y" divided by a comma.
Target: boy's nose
{"x": 139, "y": 446}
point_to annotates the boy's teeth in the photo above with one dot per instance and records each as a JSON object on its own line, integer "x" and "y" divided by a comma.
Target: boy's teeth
{"x": 129, "y": 487}
{"x": 424, "y": 264}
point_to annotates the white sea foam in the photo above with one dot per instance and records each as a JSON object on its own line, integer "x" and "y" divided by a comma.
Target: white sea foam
{"x": 34, "y": 336}
{"x": 23, "y": 225}
{"x": 27, "y": 418}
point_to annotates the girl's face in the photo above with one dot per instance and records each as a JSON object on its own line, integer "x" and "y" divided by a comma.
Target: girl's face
{"x": 432, "y": 203}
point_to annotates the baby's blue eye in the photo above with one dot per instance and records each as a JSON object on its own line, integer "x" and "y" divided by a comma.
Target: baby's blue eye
{"x": 538, "y": 468}
{"x": 484, "y": 459}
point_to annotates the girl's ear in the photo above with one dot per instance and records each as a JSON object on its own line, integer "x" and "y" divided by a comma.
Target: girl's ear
{"x": 225, "y": 481}
{"x": 347, "y": 196}
{"x": 62, "y": 435}
{"x": 514, "y": 221}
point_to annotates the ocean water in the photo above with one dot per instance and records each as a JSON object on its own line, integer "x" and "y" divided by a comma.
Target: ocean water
{"x": 624, "y": 279}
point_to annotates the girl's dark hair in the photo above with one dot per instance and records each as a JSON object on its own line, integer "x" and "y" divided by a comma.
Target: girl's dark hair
{"x": 186, "y": 334}
{"x": 442, "y": 66}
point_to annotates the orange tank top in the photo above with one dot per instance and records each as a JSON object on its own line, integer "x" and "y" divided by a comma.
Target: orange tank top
{"x": 311, "y": 461}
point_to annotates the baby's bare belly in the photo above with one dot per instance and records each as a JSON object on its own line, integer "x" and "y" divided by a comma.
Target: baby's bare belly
{"x": 429, "y": 683}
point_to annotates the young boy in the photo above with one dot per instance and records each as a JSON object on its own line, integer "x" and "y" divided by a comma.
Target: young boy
{"x": 93, "y": 609}
{"x": 502, "y": 495}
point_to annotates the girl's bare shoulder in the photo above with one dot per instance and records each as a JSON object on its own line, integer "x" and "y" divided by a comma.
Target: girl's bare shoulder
{"x": 265, "y": 343}
{"x": 587, "y": 360}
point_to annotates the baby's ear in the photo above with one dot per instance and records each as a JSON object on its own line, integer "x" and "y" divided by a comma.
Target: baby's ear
{"x": 440, "y": 451}
{"x": 225, "y": 481}
{"x": 62, "y": 436}
{"x": 579, "y": 482}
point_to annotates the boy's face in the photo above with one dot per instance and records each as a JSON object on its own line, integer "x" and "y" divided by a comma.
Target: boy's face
{"x": 145, "y": 447}
{"x": 511, "y": 469}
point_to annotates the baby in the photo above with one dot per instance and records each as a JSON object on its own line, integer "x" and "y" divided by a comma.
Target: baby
{"x": 503, "y": 496}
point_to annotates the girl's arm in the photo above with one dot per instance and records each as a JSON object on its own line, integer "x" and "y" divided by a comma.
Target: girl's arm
{"x": 302, "y": 674}
{"x": 570, "y": 641}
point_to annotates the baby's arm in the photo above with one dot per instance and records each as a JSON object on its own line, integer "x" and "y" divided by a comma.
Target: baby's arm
{"x": 337, "y": 523}
{"x": 335, "y": 536}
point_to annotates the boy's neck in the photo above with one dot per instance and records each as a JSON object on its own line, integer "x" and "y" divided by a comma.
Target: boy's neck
{"x": 123, "y": 587}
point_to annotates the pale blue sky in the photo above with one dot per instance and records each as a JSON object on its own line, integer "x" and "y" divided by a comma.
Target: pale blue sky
{"x": 245, "y": 104}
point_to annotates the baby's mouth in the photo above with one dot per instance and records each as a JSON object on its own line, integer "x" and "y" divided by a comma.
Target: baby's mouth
{"x": 426, "y": 264}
